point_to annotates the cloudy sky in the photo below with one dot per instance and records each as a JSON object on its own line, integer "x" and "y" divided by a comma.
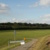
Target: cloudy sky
{"x": 33, "y": 11}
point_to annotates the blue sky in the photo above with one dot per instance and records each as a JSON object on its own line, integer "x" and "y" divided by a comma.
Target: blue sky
{"x": 30, "y": 11}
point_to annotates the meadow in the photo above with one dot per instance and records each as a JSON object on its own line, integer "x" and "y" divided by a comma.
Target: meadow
{"x": 7, "y": 35}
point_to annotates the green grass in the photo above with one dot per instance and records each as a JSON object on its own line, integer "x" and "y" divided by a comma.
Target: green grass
{"x": 7, "y": 35}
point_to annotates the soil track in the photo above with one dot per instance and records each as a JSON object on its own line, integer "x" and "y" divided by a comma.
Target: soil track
{"x": 27, "y": 46}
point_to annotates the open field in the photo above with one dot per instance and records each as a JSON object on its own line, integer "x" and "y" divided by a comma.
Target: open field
{"x": 7, "y": 35}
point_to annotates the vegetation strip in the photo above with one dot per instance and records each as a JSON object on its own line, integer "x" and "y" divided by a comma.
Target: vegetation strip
{"x": 23, "y": 26}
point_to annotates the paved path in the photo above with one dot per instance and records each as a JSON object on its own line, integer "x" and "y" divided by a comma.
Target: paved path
{"x": 26, "y": 46}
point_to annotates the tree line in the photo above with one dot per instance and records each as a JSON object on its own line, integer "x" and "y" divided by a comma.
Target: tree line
{"x": 23, "y": 26}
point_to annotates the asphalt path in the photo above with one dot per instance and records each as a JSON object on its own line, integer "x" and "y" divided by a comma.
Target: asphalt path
{"x": 26, "y": 46}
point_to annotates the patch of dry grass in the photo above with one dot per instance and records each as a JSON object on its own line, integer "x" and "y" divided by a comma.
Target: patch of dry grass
{"x": 42, "y": 44}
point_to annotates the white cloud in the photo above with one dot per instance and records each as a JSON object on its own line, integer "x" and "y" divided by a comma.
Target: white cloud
{"x": 44, "y": 19}
{"x": 18, "y": 20}
{"x": 46, "y": 16}
{"x": 3, "y": 5}
{"x": 3, "y": 8}
{"x": 44, "y": 3}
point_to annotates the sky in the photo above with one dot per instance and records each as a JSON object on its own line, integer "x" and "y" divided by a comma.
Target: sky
{"x": 30, "y": 11}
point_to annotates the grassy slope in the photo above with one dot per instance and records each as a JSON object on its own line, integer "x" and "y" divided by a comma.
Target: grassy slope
{"x": 41, "y": 44}
{"x": 5, "y": 36}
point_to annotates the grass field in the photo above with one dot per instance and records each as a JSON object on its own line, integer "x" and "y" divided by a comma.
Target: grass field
{"x": 8, "y": 35}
